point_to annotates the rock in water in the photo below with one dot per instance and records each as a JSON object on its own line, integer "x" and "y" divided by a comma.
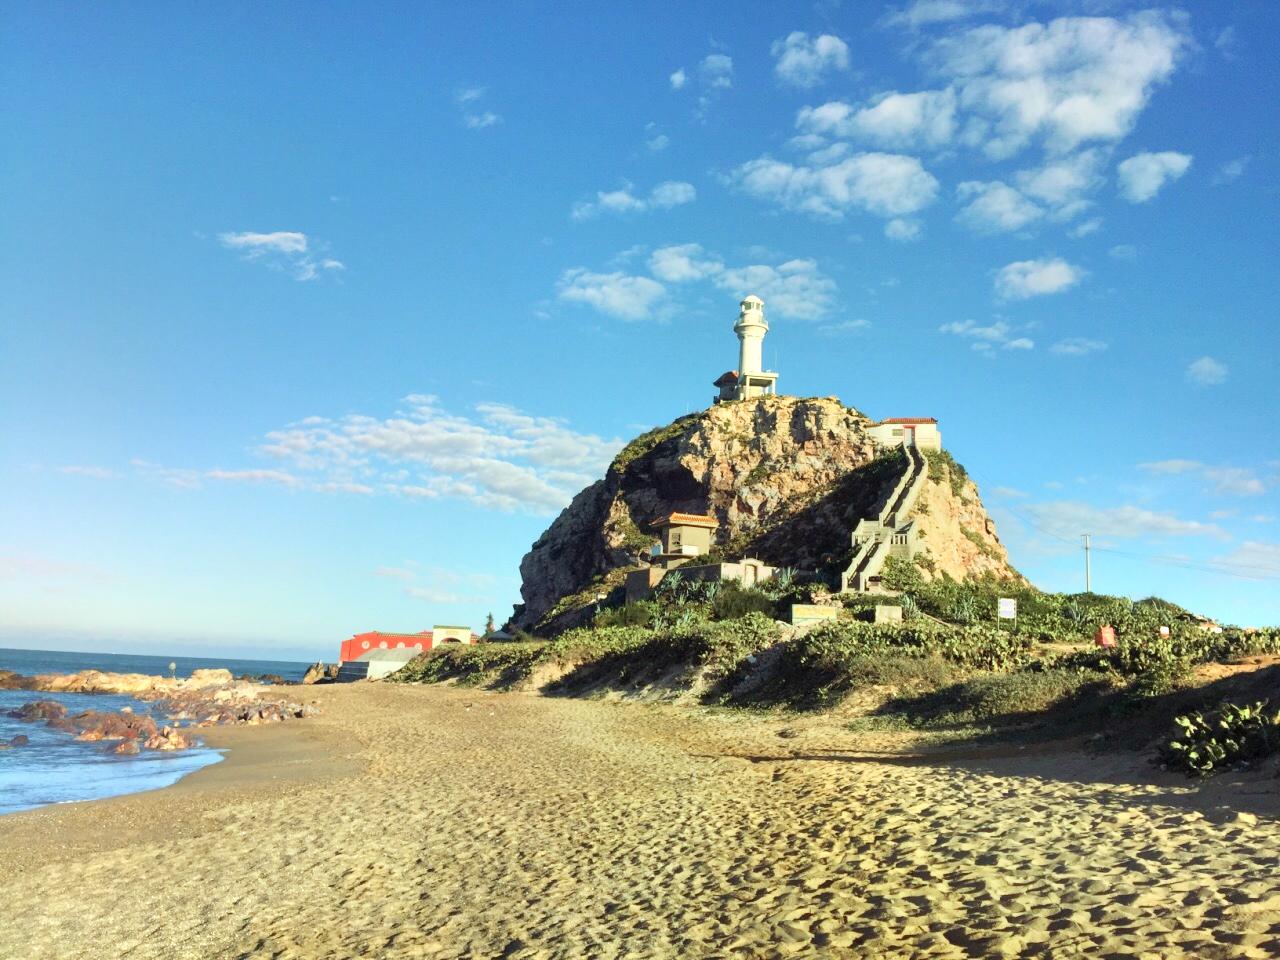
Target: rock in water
{"x": 40, "y": 710}
{"x": 787, "y": 478}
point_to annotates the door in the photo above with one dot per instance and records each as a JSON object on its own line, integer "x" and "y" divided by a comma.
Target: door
{"x": 908, "y": 436}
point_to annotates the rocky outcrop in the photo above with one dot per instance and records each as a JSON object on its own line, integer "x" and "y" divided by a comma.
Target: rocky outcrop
{"x": 787, "y": 478}
{"x": 39, "y": 710}
{"x": 96, "y": 681}
{"x": 319, "y": 672}
{"x": 187, "y": 708}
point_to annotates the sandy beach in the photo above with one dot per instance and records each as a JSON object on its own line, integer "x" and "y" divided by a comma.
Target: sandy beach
{"x": 437, "y": 822}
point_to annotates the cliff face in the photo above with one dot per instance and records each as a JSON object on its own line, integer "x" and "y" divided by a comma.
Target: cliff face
{"x": 786, "y": 477}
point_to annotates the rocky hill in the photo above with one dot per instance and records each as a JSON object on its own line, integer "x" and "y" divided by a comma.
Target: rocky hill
{"x": 787, "y": 477}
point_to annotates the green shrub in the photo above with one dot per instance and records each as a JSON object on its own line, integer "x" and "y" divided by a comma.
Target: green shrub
{"x": 734, "y": 601}
{"x": 1229, "y": 736}
{"x": 899, "y": 573}
{"x": 998, "y": 699}
{"x": 837, "y": 657}
{"x": 638, "y": 614}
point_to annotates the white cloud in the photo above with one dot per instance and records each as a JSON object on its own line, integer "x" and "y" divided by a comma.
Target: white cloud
{"x": 1068, "y": 82}
{"x": 678, "y": 79}
{"x": 1086, "y": 228}
{"x": 501, "y": 458}
{"x": 1078, "y": 347}
{"x": 1010, "y": 493}
{"x": 658, "y": 143}
{"x": 96, "y": 473}
{"x": 716, "y": 70}
{"x": 796, "y": 289}
{"x": 281, "y": 241}
{"x": 668, "y": 194}
{"x": 1171, "y": 467}
{"x": 987, "y": 339}
{"x": 1034, "y": 278}
{"x": 173, "y": 476}
{"x": 479, "y": 121}
{"x": 1063, "y": 183}
{"x": 885, "y": 184}
{"x": 1123, "y": 251}
{"x": 804, "y": 62}
{"x": 844, "y": 326}
{"x": 1207, "y": 372}
{"x": 285, "y": 250}
{"x": 1070, "y": 519}
{"x": 346, "y": 486}
{"x": 1235, "y": 481}
{"x": 468, "y": 102}
{"x": 1141, "y": 176}
{"x": 616, "y": 294}
{"x": 1229, "y": 481}
{"x": 191, "y": 479}
{"x": 895, "y": 120}
{"x": 995, "y": 207}
{"x": 280, "y": 477}
{"x": 902, "y": 230}
{"x": 683, "y": 262}
{"x": 672, "y": 193}
{"x": 922, "y": 13}
{"x": 1253, "y": 559}
{"x": 1231, "y": 171}
{"x": 1226, "y": 42}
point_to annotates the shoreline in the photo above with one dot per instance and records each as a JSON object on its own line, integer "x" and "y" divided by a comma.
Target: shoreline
{"x": 280, "y": 753}
{"x": 435, "y": 821}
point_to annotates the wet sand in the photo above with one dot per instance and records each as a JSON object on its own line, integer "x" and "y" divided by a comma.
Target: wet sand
{"x": 434, "y": 822}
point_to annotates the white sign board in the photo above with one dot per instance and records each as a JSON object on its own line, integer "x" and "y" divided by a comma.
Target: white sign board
{"x": 1007, "y": 608}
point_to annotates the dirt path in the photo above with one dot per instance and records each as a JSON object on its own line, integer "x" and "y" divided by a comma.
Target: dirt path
{"x": 427, "y": 822}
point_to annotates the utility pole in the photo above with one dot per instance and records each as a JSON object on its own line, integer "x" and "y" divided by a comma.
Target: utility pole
{"x": 1088, "y": 583}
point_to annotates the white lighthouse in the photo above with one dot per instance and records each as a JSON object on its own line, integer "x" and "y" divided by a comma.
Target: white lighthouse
{"x": 750, "y": 379}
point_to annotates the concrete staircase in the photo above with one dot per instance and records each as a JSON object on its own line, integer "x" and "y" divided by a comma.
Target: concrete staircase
{"x": 889, "y": 532}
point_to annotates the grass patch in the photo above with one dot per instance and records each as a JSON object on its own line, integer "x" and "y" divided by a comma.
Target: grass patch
{"x": 473, "y": 665}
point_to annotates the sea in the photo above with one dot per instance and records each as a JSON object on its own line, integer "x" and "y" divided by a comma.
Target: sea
{"x": 56, "y": 768}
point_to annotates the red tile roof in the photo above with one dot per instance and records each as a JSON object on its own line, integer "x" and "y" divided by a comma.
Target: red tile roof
{"x": 687, "y": 520}
{"x": 910, "y": 420}
{"x": 726, "y": 378}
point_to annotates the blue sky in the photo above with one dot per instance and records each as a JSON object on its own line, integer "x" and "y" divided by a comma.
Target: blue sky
{"x": 313, "y": 316}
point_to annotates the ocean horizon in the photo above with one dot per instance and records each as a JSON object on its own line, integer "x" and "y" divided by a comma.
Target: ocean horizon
{"x": 55, "y": 767}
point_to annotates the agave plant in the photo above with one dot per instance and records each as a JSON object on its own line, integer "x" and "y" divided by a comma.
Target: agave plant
{"x": 784, "y": 579}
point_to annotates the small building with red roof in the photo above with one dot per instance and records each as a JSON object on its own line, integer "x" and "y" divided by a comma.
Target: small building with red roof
{"x": 921, "y": 432}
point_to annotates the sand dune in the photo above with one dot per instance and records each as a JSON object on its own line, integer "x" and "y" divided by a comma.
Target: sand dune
{"x": 428, "y": 822}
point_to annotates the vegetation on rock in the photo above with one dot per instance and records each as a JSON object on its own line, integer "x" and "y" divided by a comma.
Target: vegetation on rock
{"x": 787, "y": 480}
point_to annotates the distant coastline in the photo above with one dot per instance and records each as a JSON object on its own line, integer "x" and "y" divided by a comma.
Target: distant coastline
{"x": 32, "y": 662}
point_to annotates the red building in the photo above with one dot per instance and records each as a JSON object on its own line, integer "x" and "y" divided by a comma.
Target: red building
{"x": 366, "y": 645}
